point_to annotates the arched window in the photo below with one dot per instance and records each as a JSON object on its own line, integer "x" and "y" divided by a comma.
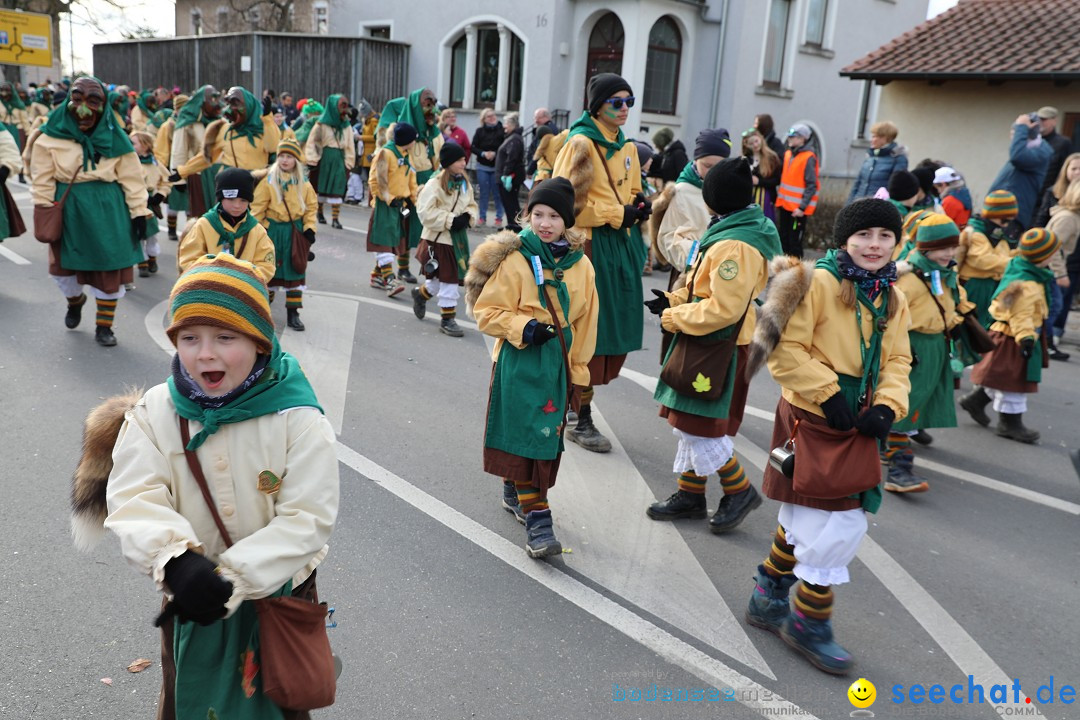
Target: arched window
{"x": 662, "y": 67}
{"x": 605, "y": 48}
{"x": 476, "y": 70}
{"x": 458, "y": 55}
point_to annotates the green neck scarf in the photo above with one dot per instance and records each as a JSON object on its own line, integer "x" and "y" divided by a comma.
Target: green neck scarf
{"x": 409, "y": 110}
{"x": 160, "y": 117}
{"x": 748, "y": 225}
{"x": 107, "y": 139}
{"x": 143, "y": 102}
{"x": 252, "y": 126}
{"x": 192, "y": 112}
{"x": 146, "y": 159}
{"x": 332, "y": 118}
{"x": 282, "y": 386}
{"x": 532, "y": 246}
{"x": 900, "y": 208}
{"x": 690, "y": 175}
{"x": 870, "y": 349}
{"x": 585, "y": 125}
{"x": 397, "y": 153}
{"x": 927, "y": 266}
{"x": 227, "y": 238}
{"x": 1020, "y": 269}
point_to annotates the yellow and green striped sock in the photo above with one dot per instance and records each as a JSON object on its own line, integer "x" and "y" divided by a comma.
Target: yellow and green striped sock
{"x": 733, "y": 478}
{"x": 531, "y": 497}
{"x": 425, "y": 293}
{"x": 898, "y": 444}
{"x": 691, "y": 483}
{"x": 386, "y": 272}
{"x": 294, "y": 298}
{"x": 781, "y": 560}
{"x": 106, "y": 312}
{"x": 450, "y": 312}
{"x": 335, "y": 211}
{"x": 403, "y": 262}
{"x": 814, "y": 601}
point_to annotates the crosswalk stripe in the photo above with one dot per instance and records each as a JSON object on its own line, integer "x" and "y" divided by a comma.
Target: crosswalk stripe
{"x": 13, "y": 256}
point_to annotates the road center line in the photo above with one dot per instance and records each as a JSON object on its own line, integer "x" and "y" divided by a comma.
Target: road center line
{"x": 13, "y": 256}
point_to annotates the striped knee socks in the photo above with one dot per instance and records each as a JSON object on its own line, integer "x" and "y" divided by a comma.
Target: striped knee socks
{"x": 898, "y": 444}
{"x": 425, "y": 293}
{"x": 531, "y": 497}
{"x": 733, "y": 478}
{"x": 335, "y": 211}
{"x": 691, "y": 483}
{"x": 106, "y": 312}
{"x": 781, "y": 560}
{"x": 450, "y": 312}
{"x": 814, "y": 601}
{"x": 403, "y": 262}
{"x": 295, "y": 298}
{"x": 385, "y": 272}
{"x": 171, "y": 219}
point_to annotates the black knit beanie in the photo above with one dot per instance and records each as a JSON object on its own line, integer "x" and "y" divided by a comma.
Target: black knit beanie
{"x": 404, "y": 133}
{"x": 903, "y": 186}
{"x": 234, "y": 183}
{"x": 558, "y": 194}
{"x": 450, "y": 153}
{"x": 866, "y": 213}
{"x": 712, "y": 142}
{"x": 728, "y": 186}
{"x": 602, "y": 87}
{"x": 644, "y": 152}
{"x": 925, "y": 176}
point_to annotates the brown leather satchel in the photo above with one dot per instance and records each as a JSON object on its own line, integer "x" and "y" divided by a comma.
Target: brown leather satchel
{"x": 300, "y": 245}
{"x": 16, "y": 225}
{"x": 294, "y": 652}
{"x": 49, "y": 219}
{"x": 828, "y": 461}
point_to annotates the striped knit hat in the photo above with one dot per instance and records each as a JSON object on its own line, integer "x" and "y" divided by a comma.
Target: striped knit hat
{"x": 291, "y": 146}
{"x": 937, "y": 232}
{"x": 225, "y": 292}
{"x": 179, "y": 102}
{"x": 1000, "y": 204}
{"x": 1037, "y": 244}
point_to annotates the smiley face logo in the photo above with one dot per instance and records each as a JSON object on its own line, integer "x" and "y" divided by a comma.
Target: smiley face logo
{"x": 862, "y": 693}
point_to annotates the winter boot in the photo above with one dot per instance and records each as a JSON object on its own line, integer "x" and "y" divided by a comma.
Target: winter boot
{"x": 1012, "y": 427}
{"x": 814, "y": 639}
{"x": 74, "y": 312}
{"x": 571, "y": 417}
{"x": 320, "y": 217}
{"x": 1057, "y": 354}
{"x": 923, "y": 438}
{"x": 769, "y": 606}
{"x": 733, "y": 509}
{"x": 22, "y": 178}
{"x": 901, "y": 479}
{"x": 336, "y": 224}
{"x": 681, "y": 504}
{"x": 152, "y": 265}
{"x": 450, "y": 327}
{"x": 540, "y": 537}
{"x": 104, "y": 336}
{"x": 975, "y": 403}
{"x": 293, "y": 319}
{"x": 172, "y": 235}
{"x": 585, "y": 433}
{"x": 393, "y": 286}
{"x": 144, "y": 269}
{"x": 419, "y": 304}
{"x": 406, "y": 275}
{"x": 510, "y": 502}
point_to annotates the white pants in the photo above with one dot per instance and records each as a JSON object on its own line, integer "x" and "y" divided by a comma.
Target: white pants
{"x": 329, "y": 200}
{"x": 355, "y": 187}
{"x": 384, "y": 258}
{"x": 825, "y": 541}
{"x": 1010, "y": 403}
{"x": 447, "y": 293}
{"x": 702, "y": 455}
{"x": 151, "y": 248}
{"x": 70, "y": 287}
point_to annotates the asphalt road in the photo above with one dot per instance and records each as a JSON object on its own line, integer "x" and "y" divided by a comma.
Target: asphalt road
{"x": 441, "y": 614}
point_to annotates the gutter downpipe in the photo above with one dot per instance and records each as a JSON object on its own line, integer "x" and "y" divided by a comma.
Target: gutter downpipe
{"x": 719, "y": 60}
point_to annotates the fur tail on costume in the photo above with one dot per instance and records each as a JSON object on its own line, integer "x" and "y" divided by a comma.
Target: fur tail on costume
{"x": 483, "y": 263}
{"x": 790, "y": 282}
{"x": 88, "y": 508}
{"x": 660, "y": 205}
{"x": 210, "y": 138}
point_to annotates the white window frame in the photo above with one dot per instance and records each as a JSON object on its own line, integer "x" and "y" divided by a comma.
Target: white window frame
{"x": 219, "y": 14}
{"x": 367, "y": 25}
{"x": 315, "y": 8}
{"x": 468, "y": 29}
{"x": 196, "y": 22}
{"x": 790, "y": 41}
{"x": 828, "y": 30}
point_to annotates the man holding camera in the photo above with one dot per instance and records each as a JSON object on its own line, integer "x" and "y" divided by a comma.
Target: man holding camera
{"x": 1022, "y": 175}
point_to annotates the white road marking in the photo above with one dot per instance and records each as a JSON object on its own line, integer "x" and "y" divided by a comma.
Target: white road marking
{"x": 670, "y": 648}
{"x": 355, "y": 230}
{"x": 154, "y": 322}
{"x": 13, "y": 256}
{"x": 403, "y": 303}
{"x": 649, "y": 383}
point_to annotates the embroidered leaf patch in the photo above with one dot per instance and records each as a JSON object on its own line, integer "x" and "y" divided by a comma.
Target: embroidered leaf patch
{"x": 702, "y": 384}
{"x": 549, "y": 408}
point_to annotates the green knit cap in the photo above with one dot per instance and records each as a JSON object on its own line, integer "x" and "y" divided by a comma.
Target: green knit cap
{"x": 1000, "y": 204}
{"x": 1037, "y": 244}
{"x": 936, "y": 232}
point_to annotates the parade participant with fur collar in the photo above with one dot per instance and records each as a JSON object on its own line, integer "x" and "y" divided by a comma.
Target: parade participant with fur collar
{"x": 285, "y": 201}
{"x": 228, "y": 227}
{"x": 447, "y": 208}
{"x": 203, "y": 109}
{"x": 730, "y": 269}
{"x": 985, "y": 250}
{"x": 1019, "y": 306}
{"x": 155, "y": 178}
{"x": 535, "y": 292}
{"x": 680, "y": 217}
{"x": 330, "y": 153}
{"x": 163, "y": 145}
{"x": 104, "y": 214}
{"x": 835, "y": 335}
{"x": 392, "y": 183}
{"x": 603, "y": 167}
{"x": 938, "y": 304}
{"x": 547, "y": 151}
{"x": 274, "y": 476}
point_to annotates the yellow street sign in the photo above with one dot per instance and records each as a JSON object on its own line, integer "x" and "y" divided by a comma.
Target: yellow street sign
{"x": 26, "y": 38}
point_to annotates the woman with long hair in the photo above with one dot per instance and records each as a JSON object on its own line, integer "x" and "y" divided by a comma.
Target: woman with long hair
{"x": 765, "y": 167}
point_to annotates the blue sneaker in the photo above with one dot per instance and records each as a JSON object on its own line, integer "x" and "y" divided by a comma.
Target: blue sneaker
{"x": 769, "y": 607}
{"x": 814, "y": 639}
{"x": 540, "y": 536}
{"x": 510, "y": 502}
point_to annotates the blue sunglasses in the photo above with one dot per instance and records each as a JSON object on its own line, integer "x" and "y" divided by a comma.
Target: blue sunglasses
{"x": 617, "y": 102}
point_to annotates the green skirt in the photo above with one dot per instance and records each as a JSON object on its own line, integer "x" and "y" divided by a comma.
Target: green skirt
{"x": 152, "y": 227}
{"x": 178, "y": 201}
{"x": 719, "y": 408}
{"x": 422, "y": 176}
{"x": 930, "y": 402}
{"x": 386, "y": 228}
{"x": 5, "y": 223}
{"x": 979, "y": 291}
{"x": 619, "y": 258}
{"x": 281, "y": 234}
{"x": 14, "y": 130}
{"x": 97, "y": 228}
{"x": 332, "y": 177}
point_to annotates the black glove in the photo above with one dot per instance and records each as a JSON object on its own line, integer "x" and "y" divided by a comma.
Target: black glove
{"x": 540, "y": 333}
{"x": 644, "y": 206}
{"x": 267, "y": 105}
{"x": 397, "y": 202}
{"x": 659, "y": 304}
{"x": 138, "y": 225}
{"x": 461, "y": 222}
{"x": 157, "y": 199}
{"x": 310, "y": 235}
{"x": 199, "y": 593}
{"x": 354, "y": 114}
{"x": 630, "y": 216}
{"x": 837, "y": 413}
{"x": 875, "y": 421}
{"x": 175, "y": 177}
{"x": 1027, "y": 347}
{"x": 4, "y": 172}
{"x": 957, "y": 332}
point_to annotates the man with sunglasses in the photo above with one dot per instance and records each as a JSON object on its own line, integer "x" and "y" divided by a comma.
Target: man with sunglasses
{"x": 609, "y": 206}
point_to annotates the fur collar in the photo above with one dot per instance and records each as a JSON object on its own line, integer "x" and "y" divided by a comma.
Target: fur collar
{"x": 791, "y": 279}
{"x": 483, "y": 263}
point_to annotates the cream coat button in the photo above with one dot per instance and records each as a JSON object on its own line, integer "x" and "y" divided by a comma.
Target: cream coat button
{"x": 222, "y": 464}
{"x": 227, "y": 510}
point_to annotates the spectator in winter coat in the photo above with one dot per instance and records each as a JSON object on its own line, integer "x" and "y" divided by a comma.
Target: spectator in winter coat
{"x": 672, "y": 161}
{"x": 661, "y": 139}
{"x": 764, "y": 124}
{"x": 453, "y": 132}
{"x": 1022, "y": 175}
{"x": 510, "y": 169}
{"x": 955, "y": 197}
{"x": 1048, "y": 119}
{"x": 485, "y": 143}
{"x": 1068, "y": 174}
{"x": 883, "y": 158}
